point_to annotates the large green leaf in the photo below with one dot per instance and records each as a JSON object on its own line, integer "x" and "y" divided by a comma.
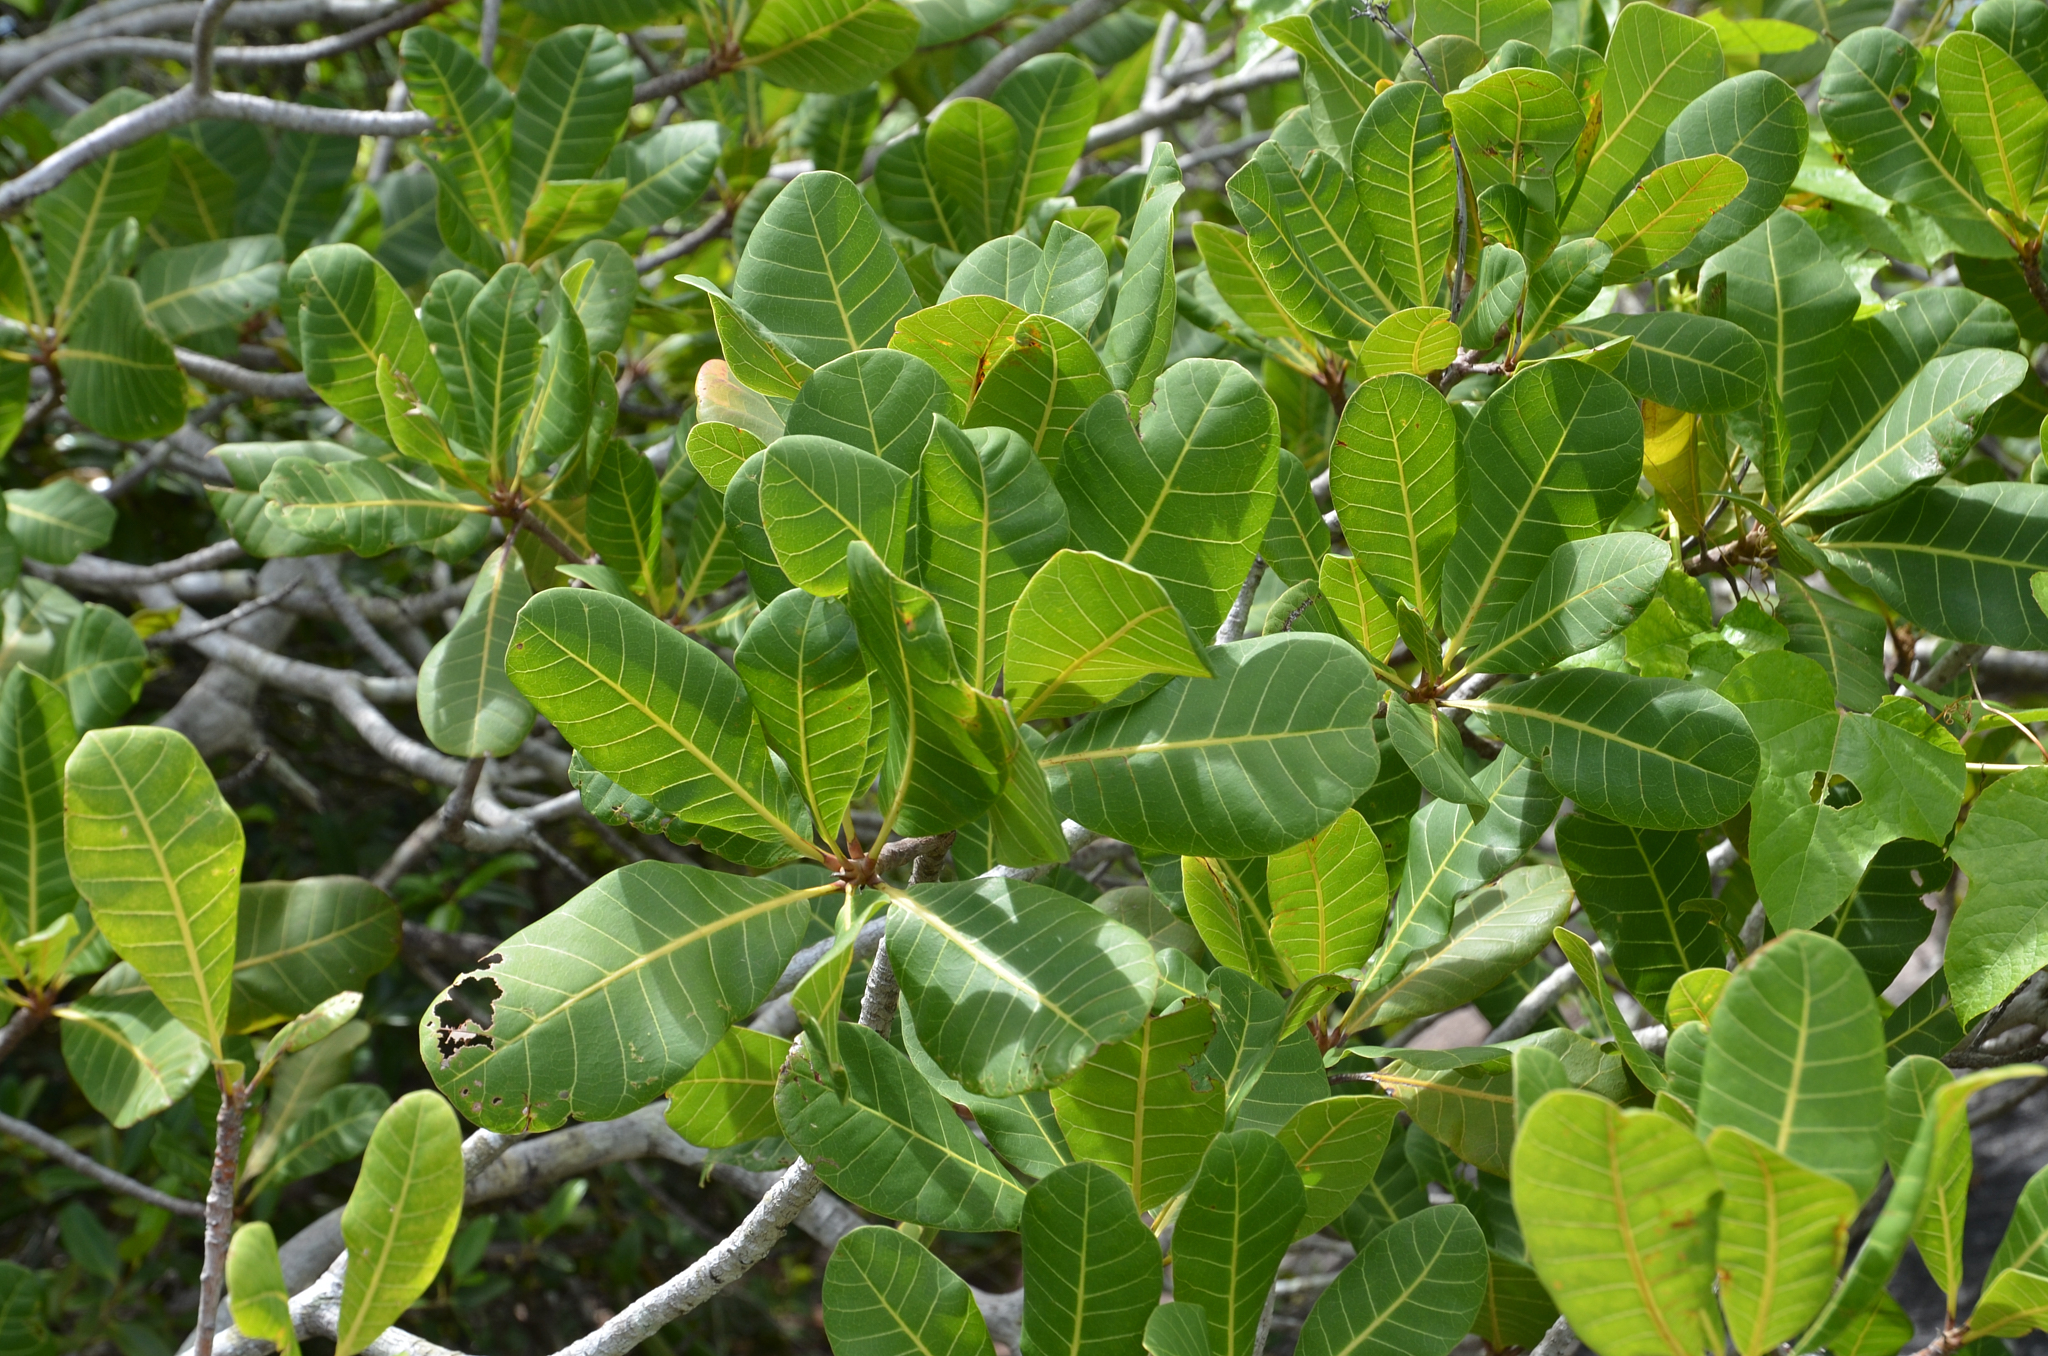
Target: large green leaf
{"x": 126, "y": 1052}
{"x": 1999, "y": 114}
{"x": 1329, "y": 898}
{"x": 400, "y": 1218}
{"x": 1932, "y": 424}
{"x": 1336, "y": 1144}
{"x": 1554, "y": 454}
{"x": 1141, "y": 328}
{"x": 1688, "y": 362}
{"x": 467, "y": 704}
{"x": 816, "y": 269}
{"x": 256, "y": 1290}
{"x": 729, "y": 1098}
{"x": 1393, "y": 483}
{"x": 971, "y": 153}
{"x": 1648, "y": 895}
{"x": 1092, "y": 1266}
{"x": 121, "y": 376}
{"x": 1893, "y": 131}
{"x": 884, "y": 1295}
{"x": 220, "y": 282}
{"x": 1414, "y": 1290}
{"x": 155, "y": 849}
{"x": 1759, "y": 122}
{"x": 1616, "y": 1209}
{"x": 1147, "y": 1107}
{"x": 988, "y": 518}
{"x": 1186, "y": 496}
{"x": 1052, "y": 99}
{"x": 299, "y": 943}
{"x": 1655, "y": 753}
{"x": 1493, "y": 933}
{"x": 367, "y": 506}
{"x": 818, "y": 495}
{"x": 1808, "y": 852}
{"x": 659, "y": 714}
{"x": 351, "y": 312}
{"x": 1311, "y": 240}
{"x": 1408, "y": 186}
{"x": 891, "y": 1144}
{"x": 1586, "y": 592}
{"x": 1662, "y": 214}
{"x": 881, "y": 400}
{"x": 95, "y": 200}
{"x": 666, "y": 172}
{"x": 1516, "y": 128}
{"x": 1847, "y": 641}
{"x": 36, "y": 737}
{"x": 829, "y": 46}
{"x": 1996, "y": 941}
{"x": 501, "y": 353}
{"x": 1086, "y": 628}
{"x": 572, "y": 103}
{"x": 100, "y": 666}
{"x": 1013, "y": 986}
{"x": 1795, "y": 1058}
{"x": 332, "y": 1130}
{"x": 1267, "y": 754}
{"x": 606, "y": 1002}
{"x": 1232, "y": 1231}
{"x": 1658, "y": 62}
{"x": 1064, "y": 281}
{"x": 1778, "y": 1242}
{"x": 801, "y": 664}
{"x": 1955, "y": 559}
{"x": 2014, "y": 1294}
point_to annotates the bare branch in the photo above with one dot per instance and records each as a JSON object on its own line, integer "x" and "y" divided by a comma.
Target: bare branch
{"x": 1241, "y": 607}
{"x": 99, "y": 1172}
{"x": 487, "y": 32}
{"x": 103, "y": 22}
{"x": 226, "y": 619}
{"x": 96, "y": 574}
{"x": 1540, "y": 1000}
{"x": 327, "y": 575}
{"x": 675, "y": 82}
{"x": 435, "y": 826}
{"x": 686, "y": 243}
{"x": 204, "y": 29}
{"x": 1042, "y": 39}
{"x": 1183, "y": 101}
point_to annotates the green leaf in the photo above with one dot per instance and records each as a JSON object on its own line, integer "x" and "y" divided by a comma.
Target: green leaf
{"x": 1146, "y": 1107}
{"x": 1894, "y": 133}
{"x": 893, "y": 1146}
{"x": 666, "y": 172}
{"x": 565, "y": 211}
{"x": 1654, "y": 753}
{"x": 1999, "y": 114}
{"x": 1907, "y": 776}
{"x": 1234, "y": 1228}
{"x": 1488, "y": 23}
{"x": 1251, "y": 294}
{"x": 307, "y": 181}
{"x": 1177, "y": 1329}
{"x": 802, "y": 667}
{"x": 1206, "y": 767}
{"x": 125, "y": 1051}
{"x": 94, "y": 201}
{"x": 1045, "y": 379}
{"x": 154, "y": 847}
{"x": 221, "y": 282}
{"x": 816, "y": 269}
{"x": 1910, "y": 551}
{"x": 36, "y": 737}
{"x": 1636, "y": 886}
{"x": 1013, "y": 986}
{"x": 572, "y": 103}
{"x": 988, "y": 518}
{"x": 1996, "y": 941}
{"x": 1428, "y": 742}
{"x": 1141, "y": 328}
{"x": 401, "y": 1216}
{"x": 55, "y": 523}
{"x": 1414, "y": 1290}
{"x": 2014, "y": 1295}
{"x": 1310, "y": 238}
{"x": 1683, "y": 361}
{"x": 1493, "y": 933}
{"x": 608, "y": 1001}
{"x": 884, "y": 1295}
{"x": 950, "y": 748}
{"x": 1779, "y": 1240}
{"x": 1065, "y": 280}
{"x": 972, "y": 154}
{"x": 370, "y": 507}
{"x": 879, "y": 400}
{"x": 1187, "y": 496}
{"x": 120, "y": 375}
{"x": 1296, "y": 538}
{"x": 1593, "y": 1183}
{"x": 1665, "y": 211}
{"x": 1329, "y": 898}
{"x": 1421, "y": 340}
{"x": 1658, "y": 62}
{"x": 334, "y": 1129}
{"x": 1086, "y": 628}
{"x": 659, "y": 714}
{"x": 818, "y": 495}
{"x": 1795, "y": 1058}
{"x": 1393, "y": 482}
{"x": 256, "y": 1291}
{"x": 1517, "y": 127}
{"x": 1554, "y": 454}
{"x": 1585, "y": 593}
{"x": 717, "y": 451}
{"x": 1517, "y": 1310}
{"x": 1925, "y": 1024}
{"x": 467, "y": 704}
{"x": 729, "y": 1097}
{"x": 1336, "y": 1144}
{"x": 1847, "y": 641}
{"x": 829, "y": 46}
{"x": 351, "y": 312}
{"x": 1760, "y": 122}
{"x": 299, "y": 943}
{"x": 501, "y": 354}
{"x": 1052, "y": 100}
{"x": 1932, "y": 424}
{"x": 100, "y": 663}
{"x": 1408, "y": 186}
{"x": 1092, "y": 1266}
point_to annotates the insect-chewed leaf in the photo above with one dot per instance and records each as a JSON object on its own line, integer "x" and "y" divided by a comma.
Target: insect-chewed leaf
{"x": 1266, "y": 754}
{"x": 817, "y": 495}
{"x": 1234, "y": 1228}
{"x": 36, "y": 737}
{"x": 885, "y": 1295}
{"x": 1657, "y": 753}
{"x": 1795, "y": 1057}
{"x": 816, "y": 269}
{"x": 401, "y": 1216}
{"x": 468, "y": 706}
{"x": 1414, "y": 1290}
{"x": 1013, "y": 986}
{"x": 1593, "y": 1182}
{"x": 660, "y": 715}
{"x": 1086, "y": 628}
{"x": 1147, "y": 1107}
{"x": 893, "y": 1145}
{"x": 608, "y": 1001}
{"x": 1779, "y": 1239}
{"x": 729, "y": 1098}
{"x": 1092, "y": 1266}
{"x": 156, "y": 850}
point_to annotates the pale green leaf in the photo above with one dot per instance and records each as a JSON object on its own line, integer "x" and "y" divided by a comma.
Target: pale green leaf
{"x": 400, "y": 1218}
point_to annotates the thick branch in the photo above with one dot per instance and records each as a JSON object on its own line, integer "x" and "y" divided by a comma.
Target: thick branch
{"x": 98, "y": 1171}
{"x": 101, "y": 22}
{"x": 1042, "y": 39}
{"x": 219, "y": 372}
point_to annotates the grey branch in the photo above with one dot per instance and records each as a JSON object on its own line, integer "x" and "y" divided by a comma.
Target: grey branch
{"x": 686, "y": 243}
{"x": 1540, "y": 1000}
{"x": 99, "y": 1172}
{"x": 99, "y": 23}
{"x": 228, "y": 618}
{"x": 220, "y": 372}
{"x": 1042, "y": 39}
{"x": 1559, "y": 1341}
{"x": 1241, "y": 608}
{"x": 1186, "y": 100}
{"x": 327, "y": 575}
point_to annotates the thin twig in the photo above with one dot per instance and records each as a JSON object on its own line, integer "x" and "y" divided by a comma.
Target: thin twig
{"x": 435, "y": 826}
{"x": 687, "y": 243}
{"x": 487, "y": 32}
{"x": 1241, "y": 609}
{"x": 327, "y": 574}
{"x": 1183, "y": 101}
{"x": 220, "y": 1210}
{"x": 225, "y": 620}
{"x": 98, "y": 1171}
